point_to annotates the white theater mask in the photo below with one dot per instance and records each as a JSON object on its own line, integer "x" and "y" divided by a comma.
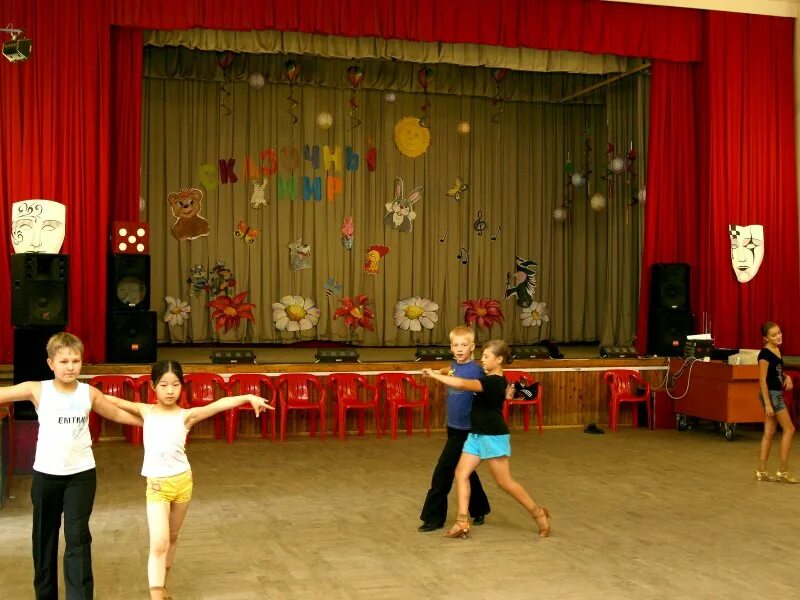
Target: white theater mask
{"x": 38, "y": 226}
{"x": 747, "y": 250}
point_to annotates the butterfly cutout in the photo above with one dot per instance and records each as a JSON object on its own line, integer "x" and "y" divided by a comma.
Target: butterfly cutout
{"x": 246, "y": 233}
{"x": 458, "y": 189}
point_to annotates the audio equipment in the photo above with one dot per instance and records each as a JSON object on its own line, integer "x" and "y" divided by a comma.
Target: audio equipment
{"x": 669, "y": 284}
{"x": 128, "y": 282}
{"x": 618, "y": 352}
{"x": 131, "y": 337}
{"x": 39, "y": 289}
{"x": 336, "y": 355}
{"x": 433, "y": 353}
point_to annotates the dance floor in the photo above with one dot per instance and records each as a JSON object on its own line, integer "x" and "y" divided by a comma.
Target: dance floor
{"x": 636, "y": 514}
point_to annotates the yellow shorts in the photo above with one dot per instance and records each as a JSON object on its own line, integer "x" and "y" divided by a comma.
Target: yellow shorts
{"x": 175, "y": 488}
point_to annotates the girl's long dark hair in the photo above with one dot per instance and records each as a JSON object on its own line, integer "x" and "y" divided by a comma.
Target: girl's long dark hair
{"x": 163, "y": 367}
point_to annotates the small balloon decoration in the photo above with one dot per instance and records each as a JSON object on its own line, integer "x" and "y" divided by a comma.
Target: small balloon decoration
{"x": 291, "y": 72}
{"x": 256, "y": 81}
{"x": 617, "y": 165}
{"x": 425, "y": 76}
{"x": 224, "y": 60}
{"x": 560, "y": 214}
{"x": 577, "y": 179}
{"x": 598, "y": 202}
{"x": 463, "y": 127}
{"x": 355, "y": 75}
{"x": 390, "y": 97}
{"x": 324, "y": 120}
{"x": 499, "y": 76}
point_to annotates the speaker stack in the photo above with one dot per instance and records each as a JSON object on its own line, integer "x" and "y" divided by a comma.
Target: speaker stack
{"x": 39, "y": 309}
{"x": 131, "y": 325}
{"x": 671, "y": 318}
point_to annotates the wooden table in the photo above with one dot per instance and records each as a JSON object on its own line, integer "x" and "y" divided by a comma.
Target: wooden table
{"x": 719, "y": 392}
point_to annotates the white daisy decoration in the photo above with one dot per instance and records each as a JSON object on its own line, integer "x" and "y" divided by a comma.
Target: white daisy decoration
{"x": 535, "y": 314}
{"x": 295, "y": 313}
{"x": 177, "y": 311}
{"x": 414, "y": 313}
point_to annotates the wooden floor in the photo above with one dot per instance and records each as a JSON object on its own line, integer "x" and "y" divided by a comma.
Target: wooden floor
{"x": 636, "y": 514}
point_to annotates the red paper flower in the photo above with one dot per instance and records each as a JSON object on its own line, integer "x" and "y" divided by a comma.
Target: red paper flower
{"x": 228, "y": 312}
{"x": 485, "y": 312}
{"x": 355, "y": 312}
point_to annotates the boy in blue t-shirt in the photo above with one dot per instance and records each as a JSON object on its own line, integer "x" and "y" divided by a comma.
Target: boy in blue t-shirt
{"x": 459, "y": 410}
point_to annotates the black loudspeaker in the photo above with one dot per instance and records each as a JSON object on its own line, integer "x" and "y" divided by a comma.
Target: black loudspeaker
{"x": 131, "y": 337}
{"x": 618, "y": 352}
{"x": 667, "y": 331}
{"x": 669, "y": 285}
{"x": 433, "y": 353}
{"x": 128, "y": 282}
{"x": 30, "y": 362}
{"x": 333, "y": 355}
{"x": 39, "y": 290}
{"x": 530, "y": 352}
{"x": 230, "y": 357}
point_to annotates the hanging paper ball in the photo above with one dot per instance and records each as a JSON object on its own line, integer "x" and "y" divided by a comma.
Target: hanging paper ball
{"x": 560, "y": 214}
{"x": 463, "y": 127}
{"x": 642, "y": 195}
{"x": 390, "y": 97}
{"x": 256, "y": 81}
{"x": 577, "y": 179}
{"x": 324, "y": 120}
{"x": 598, "y": 202}
{"x": 617, "y": 165}
{"x": 142, "y": 204}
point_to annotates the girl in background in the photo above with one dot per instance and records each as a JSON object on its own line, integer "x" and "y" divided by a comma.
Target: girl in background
{"x": 169, "y": 476}
{"x": 771, "y": 383}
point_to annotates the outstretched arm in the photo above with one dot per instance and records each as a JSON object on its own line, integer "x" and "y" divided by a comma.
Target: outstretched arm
{"x": 195, "y": 415}
{"x": 459, "y": 383}
{"x": 28, "y": 390}
{"x": 106, "y": 409}
{"x": 126, "y": 405}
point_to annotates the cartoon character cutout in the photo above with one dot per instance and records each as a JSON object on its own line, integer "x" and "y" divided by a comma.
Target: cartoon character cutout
{"x": 299, "y": 255}
{"x": 259, "y": 198}
{"x": 372, "y": 261}
{"x": 186, "y": 205}
{"x": 522, "y": 283}
{"x": 348, "y": 232}
{"x": 400, "y": 213}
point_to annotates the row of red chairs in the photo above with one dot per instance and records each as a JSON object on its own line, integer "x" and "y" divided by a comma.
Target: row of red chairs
{"x": 299, "y": 391}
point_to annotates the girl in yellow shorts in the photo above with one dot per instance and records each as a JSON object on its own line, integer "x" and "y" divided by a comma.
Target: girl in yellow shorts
{"x": 169, "y": 476}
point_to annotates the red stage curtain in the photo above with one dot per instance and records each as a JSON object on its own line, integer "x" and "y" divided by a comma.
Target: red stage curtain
{"x": 55, "y": 132}
{"x": 583, "y": 25}
{"x": 749, "y": 175}
{"x": 671, "y": 211}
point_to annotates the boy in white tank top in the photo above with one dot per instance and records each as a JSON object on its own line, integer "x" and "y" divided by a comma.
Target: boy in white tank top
{"x": 169, "y": 476}
{"x": 64, "y": 478}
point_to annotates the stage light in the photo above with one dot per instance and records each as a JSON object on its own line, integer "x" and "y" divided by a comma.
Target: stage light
{"x": 335, "y": 355}
{"x": 433, "y": 353}
{"x": 18, "y": 48}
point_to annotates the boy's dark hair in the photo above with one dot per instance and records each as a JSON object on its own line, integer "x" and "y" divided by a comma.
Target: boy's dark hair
{"x": 163, "y": 367}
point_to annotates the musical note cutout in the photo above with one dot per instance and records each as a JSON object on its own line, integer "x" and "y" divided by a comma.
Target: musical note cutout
{"x": 497, "y": 233}
{"x": 480, "y": 224}
{"x": 443, "y": 239}
{"x": 463, "y": 255}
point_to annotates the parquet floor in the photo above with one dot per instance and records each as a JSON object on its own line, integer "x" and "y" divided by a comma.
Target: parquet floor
{"x": 636, "y": 514}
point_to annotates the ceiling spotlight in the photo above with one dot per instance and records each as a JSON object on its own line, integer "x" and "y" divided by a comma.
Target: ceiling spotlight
{"x": 18, "y": 48}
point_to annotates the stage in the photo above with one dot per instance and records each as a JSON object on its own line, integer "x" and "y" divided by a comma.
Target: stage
{"x": 637, "y": 514}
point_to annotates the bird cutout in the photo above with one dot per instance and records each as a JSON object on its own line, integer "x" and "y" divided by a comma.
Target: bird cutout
{"x": 246, "y": 233}
{"x": 258, "y": 197}
{"x": 372, "y": 261}
{"x": 479, "y": 224}
{"x": 458, "y": 189}
{"x": 463, "y": 255}
{"x": 497, "y": 233}
{"x": 443, "y": 239}
{"x": 522, "y": 283}
{"x": 332, "y": 287}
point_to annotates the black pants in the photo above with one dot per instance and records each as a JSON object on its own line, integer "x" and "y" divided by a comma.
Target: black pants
{"x": 435, "y": 508}
{"x": 74, "y": 496}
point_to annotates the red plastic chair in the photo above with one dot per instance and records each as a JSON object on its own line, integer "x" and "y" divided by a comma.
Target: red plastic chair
{"x": 251, "y": 383}
{"x": 120, "y": 386}
{"x": 626, "y": 386}
{"x": 527, "y": 405}
{"x": 345, "y": 388}
{"x": 203, "y": 389}
{"x": 301, "y": 391}
{"x": 394, "y": 386}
